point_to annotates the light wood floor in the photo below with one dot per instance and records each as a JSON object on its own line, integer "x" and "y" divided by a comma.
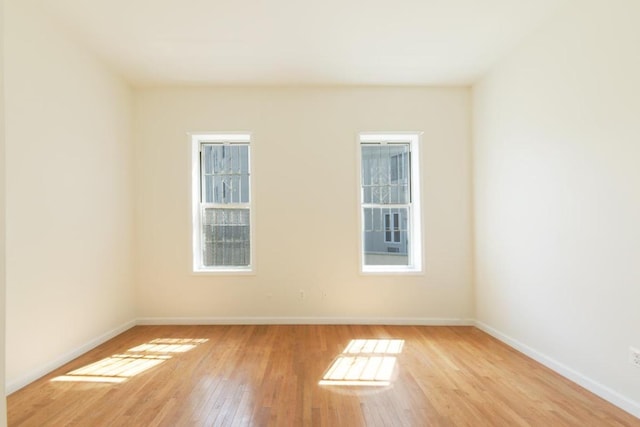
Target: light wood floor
{"x": 269, "y": 376}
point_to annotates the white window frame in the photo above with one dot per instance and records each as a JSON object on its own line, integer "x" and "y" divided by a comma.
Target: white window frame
{"x": 197, "y": 141}
{"x": 415, "y": 213}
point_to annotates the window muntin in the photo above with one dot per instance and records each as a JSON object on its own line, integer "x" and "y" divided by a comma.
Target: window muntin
{"x": 222, "y": 206}
{"x": 390, "y": 217}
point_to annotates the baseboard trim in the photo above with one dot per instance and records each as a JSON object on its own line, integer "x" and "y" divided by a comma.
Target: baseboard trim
{"x": 16, "y": 385}
{"x": 409, "y": 321}
{"x": 593, "y": 386}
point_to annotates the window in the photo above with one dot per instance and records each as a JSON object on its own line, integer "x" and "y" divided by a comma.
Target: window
{"x": 221, "y": 203}
{"x": 390, "y": 205}
{"x": 398, "y": 167}
{"x": 392, "y": 228}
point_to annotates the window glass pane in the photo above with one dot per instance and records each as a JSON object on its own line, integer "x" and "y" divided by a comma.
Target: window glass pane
{"x": 387, "y": 227}
{"x": 385, "y": 177}
{"x": 226, "y": 237}
{"x": 217, "y": 189}
{"x": 379, "y": 247}
{"x": 396, "y": 228}
{"x": 208, "y": 160}
{"x": 244, "y": 188}
{"x": 395, "y": 167}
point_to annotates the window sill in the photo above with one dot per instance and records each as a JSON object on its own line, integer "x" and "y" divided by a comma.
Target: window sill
{"x": 390, "y": 270}
{"x": 224, "y": 272}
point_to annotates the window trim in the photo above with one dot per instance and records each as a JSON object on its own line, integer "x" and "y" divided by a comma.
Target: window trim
{"x": 197, "y": 140}
{"x": 416, "y": 253}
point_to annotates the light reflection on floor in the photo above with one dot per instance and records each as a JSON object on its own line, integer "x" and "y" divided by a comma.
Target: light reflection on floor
{"x": 364, "y": 362}
{"x": 120, "y": 367}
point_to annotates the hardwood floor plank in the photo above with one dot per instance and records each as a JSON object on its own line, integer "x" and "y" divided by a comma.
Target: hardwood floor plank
{"x": 268, "y": 375}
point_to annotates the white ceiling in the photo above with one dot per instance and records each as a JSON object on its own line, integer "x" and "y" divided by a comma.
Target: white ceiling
{"x": 267, "y": 42}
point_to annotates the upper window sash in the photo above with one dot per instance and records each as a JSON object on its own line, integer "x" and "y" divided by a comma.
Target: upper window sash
{"x": 225, "y": 174}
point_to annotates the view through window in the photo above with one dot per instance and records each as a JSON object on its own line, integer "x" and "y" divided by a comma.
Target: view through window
{"x": 390, "y": 208}
{"x": 222, "y": 202}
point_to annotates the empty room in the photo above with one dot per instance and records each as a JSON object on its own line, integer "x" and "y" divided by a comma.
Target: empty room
{"x": 337, "y": 213}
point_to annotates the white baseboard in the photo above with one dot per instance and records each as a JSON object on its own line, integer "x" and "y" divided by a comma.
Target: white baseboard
{"x": 418, "y": 321}
{"x": 66, "y": 358}
{"x": 593, "y": 386}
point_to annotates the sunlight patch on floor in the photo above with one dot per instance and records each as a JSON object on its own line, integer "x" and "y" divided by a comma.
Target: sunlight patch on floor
{"x": 120, "y": 367}
{"x": 364, "y": 362}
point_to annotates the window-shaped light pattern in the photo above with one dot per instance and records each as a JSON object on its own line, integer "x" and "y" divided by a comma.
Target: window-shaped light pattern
{"x": 121, "y": 367}
{"x": 365, "y": 362}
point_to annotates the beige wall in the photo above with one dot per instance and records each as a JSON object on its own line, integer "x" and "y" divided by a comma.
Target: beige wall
{"x": 306, "y": 203}
{"x": 557, "y": 189}
{"x": 3, "y": 402}
{"x": 69, "y": 196}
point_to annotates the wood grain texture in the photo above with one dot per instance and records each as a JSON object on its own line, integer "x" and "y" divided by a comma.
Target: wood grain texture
{"x": 267, "y": 375}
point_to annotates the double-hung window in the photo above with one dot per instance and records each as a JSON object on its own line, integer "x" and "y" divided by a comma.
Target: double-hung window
{"x": 389, "y": 203}
{"x": 221, "y": 203}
